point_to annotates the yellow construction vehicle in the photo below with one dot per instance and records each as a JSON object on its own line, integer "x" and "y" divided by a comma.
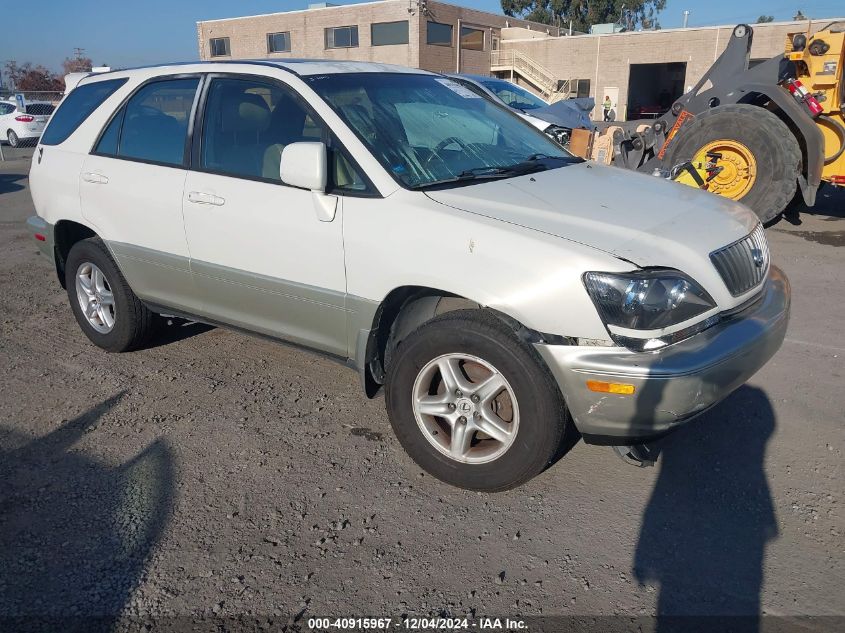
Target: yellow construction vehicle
{"x": 767, "y": 136}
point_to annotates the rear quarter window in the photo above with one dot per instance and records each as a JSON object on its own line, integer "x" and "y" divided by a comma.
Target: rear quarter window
{"x": 40, "y": 108}
{"x": 77, "y": 107}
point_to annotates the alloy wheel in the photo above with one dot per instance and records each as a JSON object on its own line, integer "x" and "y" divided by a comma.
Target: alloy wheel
{"x": 465, "y": 408}
{"x": 95, "y": 297}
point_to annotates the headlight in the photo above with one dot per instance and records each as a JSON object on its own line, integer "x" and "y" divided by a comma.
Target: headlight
{"x": 647, "y": 300}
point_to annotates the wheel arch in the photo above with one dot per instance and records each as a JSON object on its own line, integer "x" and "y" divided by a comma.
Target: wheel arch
{"x": 66, "y": 233}
{"x": 402, "y": 311}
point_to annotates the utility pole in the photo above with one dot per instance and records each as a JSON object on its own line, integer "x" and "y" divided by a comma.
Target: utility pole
{"x": 78, "y": 52}
{"x": 686, "y": 18}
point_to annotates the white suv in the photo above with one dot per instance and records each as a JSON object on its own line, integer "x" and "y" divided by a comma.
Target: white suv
{"x": 504, "y": 292}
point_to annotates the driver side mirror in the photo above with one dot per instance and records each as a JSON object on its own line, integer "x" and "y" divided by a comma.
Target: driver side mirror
{"x": 305, "y": 165}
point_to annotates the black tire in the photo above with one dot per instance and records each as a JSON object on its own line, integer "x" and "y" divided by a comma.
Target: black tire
{"x": 543, "y": 417}
{"x": 13, "y": 139}
{"x": 134, "y": 323}
{"x": 769, "y": 139}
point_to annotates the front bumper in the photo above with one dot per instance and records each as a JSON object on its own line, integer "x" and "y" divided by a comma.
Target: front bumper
{"x": 674, "y": 384}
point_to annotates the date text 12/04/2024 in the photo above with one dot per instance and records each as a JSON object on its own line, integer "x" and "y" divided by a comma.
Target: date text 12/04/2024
{"x": 415, "y": 624}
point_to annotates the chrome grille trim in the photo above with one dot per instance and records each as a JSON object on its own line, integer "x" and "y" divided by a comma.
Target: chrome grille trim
{"x": 744, "y": 264}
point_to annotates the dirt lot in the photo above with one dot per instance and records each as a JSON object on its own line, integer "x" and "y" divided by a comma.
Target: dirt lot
{"x": 216, "y": 473}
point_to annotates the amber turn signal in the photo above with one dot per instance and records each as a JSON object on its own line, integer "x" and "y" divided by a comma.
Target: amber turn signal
{"x": 610, "y": 387}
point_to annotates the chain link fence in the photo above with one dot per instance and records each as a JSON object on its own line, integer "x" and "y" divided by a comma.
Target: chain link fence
{"x": 23, "y": 120}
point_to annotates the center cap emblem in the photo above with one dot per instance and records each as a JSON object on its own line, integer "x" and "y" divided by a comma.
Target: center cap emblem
{"x": 465, "y": 406}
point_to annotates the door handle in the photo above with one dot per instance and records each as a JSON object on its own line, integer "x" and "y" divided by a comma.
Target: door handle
{"x": 200, "y": 197}
{"x": 93, "y": 177}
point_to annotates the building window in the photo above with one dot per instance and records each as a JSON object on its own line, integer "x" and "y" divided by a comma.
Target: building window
{"x": 278, "y": 42}
{"x": 472, "y": 39}
{"x": 220, "y": 47}
{"x": 583, "y": 88}
{"x": 342, "y": 37}
{"x": 386, "y": 33}
{"x": 438, "y": 34}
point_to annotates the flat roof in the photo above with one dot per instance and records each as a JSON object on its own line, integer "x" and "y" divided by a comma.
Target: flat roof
{"x": 361, "y": 4}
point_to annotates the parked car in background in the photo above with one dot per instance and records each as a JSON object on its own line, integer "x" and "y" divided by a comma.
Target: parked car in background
{"x": 504, "y": 292}
{"x": 23, "y": 127}
{"x": 556, "y": 119}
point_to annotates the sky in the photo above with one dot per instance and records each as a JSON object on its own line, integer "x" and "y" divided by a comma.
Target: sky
{"x": 125, "y": 33}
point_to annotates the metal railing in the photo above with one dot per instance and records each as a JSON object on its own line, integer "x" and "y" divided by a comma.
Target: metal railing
{"x": 541, "y": 77}
{"x": 51, "y": 96}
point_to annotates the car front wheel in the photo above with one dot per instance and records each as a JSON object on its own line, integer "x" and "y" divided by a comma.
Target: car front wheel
{"x": 472, "y": 404}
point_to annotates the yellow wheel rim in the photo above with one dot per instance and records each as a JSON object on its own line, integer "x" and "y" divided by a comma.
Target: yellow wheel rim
{"x": 739, "y": 168}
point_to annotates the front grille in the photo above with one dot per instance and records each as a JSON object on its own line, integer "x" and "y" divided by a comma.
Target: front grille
{"x": 743, "y": 264}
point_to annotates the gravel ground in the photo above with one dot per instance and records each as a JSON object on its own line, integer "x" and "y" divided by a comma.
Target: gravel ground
{"x": 218, "y": 474}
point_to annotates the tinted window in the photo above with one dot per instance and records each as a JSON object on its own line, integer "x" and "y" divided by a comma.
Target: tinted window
{"x": 386, "y": 33}
{"x": 155, "y": 123}
{"x": 472, "y": 39}
{"x": 219, "y": 46}
{"x": 77, "y": 107}
{"x": 6, "y": 108}
{"x": 40, "y": 108}
{"x": 513, "y": 95}
{"x": 248, "y": 123}
{"x": 342, "y": 37}
{"x": 278, "y": 42}
{"x": 108, "y": 143}
{"x": 440, "y": 34}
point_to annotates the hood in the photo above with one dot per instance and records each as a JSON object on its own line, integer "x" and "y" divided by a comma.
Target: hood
{"x": 568, "y": 113}
{"x": 639, "y": 218}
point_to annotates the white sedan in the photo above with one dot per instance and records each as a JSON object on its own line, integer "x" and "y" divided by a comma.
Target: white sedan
{"x": 24, "y": 127}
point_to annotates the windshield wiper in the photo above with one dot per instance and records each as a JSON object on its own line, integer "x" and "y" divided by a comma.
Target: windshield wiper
{"x": 529, "y": 165}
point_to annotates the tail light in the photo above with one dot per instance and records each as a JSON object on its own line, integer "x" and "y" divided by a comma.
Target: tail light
{"x": 25, "y": 118}
{"x": 838, "y": 181}
{"x": 802, "y": 95}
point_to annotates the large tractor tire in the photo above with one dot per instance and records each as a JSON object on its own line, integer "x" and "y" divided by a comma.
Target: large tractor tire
{"x": 761, "y": 158}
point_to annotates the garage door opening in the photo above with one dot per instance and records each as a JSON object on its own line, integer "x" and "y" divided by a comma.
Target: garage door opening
{"x": 652, "y": 88}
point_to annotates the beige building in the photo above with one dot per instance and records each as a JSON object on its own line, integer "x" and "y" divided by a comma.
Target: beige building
{"x": 642, "y": 72}
{"x": 411, "y": 33}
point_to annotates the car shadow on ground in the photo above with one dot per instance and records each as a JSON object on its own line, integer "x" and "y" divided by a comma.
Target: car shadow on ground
{"x": 704, "y": 531}
{"x": 11, "y": 182}
{"x": 75, "y": 531}
{"x": 175, "y": 330}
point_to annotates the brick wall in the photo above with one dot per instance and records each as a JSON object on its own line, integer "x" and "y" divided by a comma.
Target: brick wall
{"x": 248, "y": 35}
{"x": 605, "y": 59}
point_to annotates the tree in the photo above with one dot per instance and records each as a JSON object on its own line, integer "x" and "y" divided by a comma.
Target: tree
{"x": 76, "y": 65}
{"x": 763, "y": 19}
{"x": 27, "y": 77}
{"x": 585, "y": 13}
{"x": 799, "y": 16}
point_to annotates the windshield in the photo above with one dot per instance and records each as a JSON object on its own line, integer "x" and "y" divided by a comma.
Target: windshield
{"x": 428, "y": 130}
{"x": 513, "y": 95}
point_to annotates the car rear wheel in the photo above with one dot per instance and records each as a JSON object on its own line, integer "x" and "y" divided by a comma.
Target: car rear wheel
{"x": 105, "y": 307}
{"x": 472, "y": 404}
{"x": 13, "y": 139}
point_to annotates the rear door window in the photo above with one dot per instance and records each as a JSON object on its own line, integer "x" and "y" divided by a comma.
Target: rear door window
{"x": 40, "y": 108}
{"x": 153, "y": 125}
{"x": 77, "y": 107}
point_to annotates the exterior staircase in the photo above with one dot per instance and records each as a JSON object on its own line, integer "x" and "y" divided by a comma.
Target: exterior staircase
{"x": 516, "y": 63}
